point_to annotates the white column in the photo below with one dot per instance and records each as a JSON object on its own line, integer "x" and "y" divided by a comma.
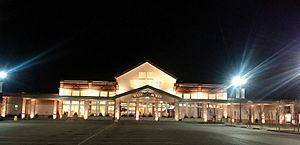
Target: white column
{"x": 60, "y": 108}
{"x": 176, "y": 111}
{"x": 106, "y": 108}
{"x": 32, "y": 108}
{"x": 186, "y": 110}
{"x": 146, "y": 109}
{"x": 166, "y": 110}
{"x": 263, "y": 120}
{"x": 78, "y": 111}
{"x": 205, "y": 112}
{"x": 86, "y": 110}
{"x": 97, "y": 107}
{"x": 156, "y": 111}
{"x": 195, "y": 110}
{"x": 137, "y": 113}
{"x": 23, "y": 108}
{"x": 4, "y": 102}
{"x": 55, "y": 109}
{"x": 70, "y": 109}
{"x": 117, "y": 109}
{"x": 225, "y": 110}
{"x": 127, "y": 113}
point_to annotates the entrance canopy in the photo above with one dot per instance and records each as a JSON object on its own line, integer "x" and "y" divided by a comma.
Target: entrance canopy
{"x": 148, "y": 93}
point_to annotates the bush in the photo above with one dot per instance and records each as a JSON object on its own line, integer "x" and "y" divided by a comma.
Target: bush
{"x": 92, "y": 115}
{"x": 100, "y": 114}
{"x": 107, "y": 115}
{"x": 192, "y": 116}
{"x": 150, "y": 115}
{"x": 36, "y": 116}
{"x": 131, "y": 115}
{"x": 186, "y": 116}
{"x": 143, "y": 115}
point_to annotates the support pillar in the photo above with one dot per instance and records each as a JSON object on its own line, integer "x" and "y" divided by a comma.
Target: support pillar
{"x": 4, "y": 106}
{"x": 176, "y": 111}
{"x": 137, "y": 113}
{"x": 195, "y": 110}
{"x": 205, "y": 113}
{"x": 78, "y": 111}
{"x": 70, "y": 109}
{"x": 146, "y": 109}
{"x": 156, "y": 111}
{"x": 127, "y": 112}
{"x": 97, "y": 108}
{"x": 60, "y": 108}
{"x": 106, "y": 108}
{"x": 55, "y": 109}
{"x": 32, "y": 108}
{"x": 117, "y": 109}
{"x": 86, "y": 110}
{"x": 23, "y": 108}
{"x": 186, "y": 110}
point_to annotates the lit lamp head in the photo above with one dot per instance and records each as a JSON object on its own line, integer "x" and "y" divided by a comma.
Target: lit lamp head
{"x": 3, "y": 74}
{"x": 238, "y": 81}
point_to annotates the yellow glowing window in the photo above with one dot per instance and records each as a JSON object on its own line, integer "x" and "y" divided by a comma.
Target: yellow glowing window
{"x": 64, "y": 92}
{"x": 194, "y": 96}
{"x": 103, "y": 94}
{"x": 93, "y": 92}
{"x": 84, "y": 93}
{"x": 149, "y": 75}
{"x": 186, "y": 96}
{"x": 142, "y": 75}
{"x": 102, "y": 102}
{"x": 66, "y": 102}
{"x": 75, "y": 93}
{"x": 111, "y": 94}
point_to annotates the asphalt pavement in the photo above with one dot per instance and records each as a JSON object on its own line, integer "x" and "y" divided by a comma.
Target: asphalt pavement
{"x": 54, "y": 132}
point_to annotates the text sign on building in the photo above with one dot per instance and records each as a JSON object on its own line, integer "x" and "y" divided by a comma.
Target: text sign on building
{"x": 147, "y": 94}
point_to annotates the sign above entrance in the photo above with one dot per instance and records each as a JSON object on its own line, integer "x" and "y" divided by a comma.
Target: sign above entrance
{"x": 147, "y": 94}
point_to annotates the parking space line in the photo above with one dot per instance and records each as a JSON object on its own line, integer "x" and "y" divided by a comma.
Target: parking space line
{"x": 95, "y": 134}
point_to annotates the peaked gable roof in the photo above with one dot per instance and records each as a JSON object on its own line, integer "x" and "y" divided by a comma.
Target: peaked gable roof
{"x": 143, "y": 62}
{"x": 147, "y": 87}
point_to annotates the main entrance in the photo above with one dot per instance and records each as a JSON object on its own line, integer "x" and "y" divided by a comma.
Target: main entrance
{"x": 146, "y": 102}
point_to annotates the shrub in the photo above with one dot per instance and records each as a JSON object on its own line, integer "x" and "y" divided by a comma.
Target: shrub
{"x": 36, "y": 116}
{"x": 192, "y": 116}
{"x": 131, "y": 115}
{"x": 186, "y": 116}
{"x": 107, "y": 115}
{"x": 100, "y": 114}
{"x": 143, "y": 115}
{"x": 150, "y": 115}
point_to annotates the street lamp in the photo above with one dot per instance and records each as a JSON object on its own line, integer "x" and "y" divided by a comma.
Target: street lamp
{"x": 3, "y": 74}
{"x": 238, "y": 81}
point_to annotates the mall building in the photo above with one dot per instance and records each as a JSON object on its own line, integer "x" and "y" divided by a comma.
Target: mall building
{"x": 146, "y": 92}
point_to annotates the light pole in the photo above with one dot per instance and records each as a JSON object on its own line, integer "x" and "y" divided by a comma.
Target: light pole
{"x": 239, "y": 81}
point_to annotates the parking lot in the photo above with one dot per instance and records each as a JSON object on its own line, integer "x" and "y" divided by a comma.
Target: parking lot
{"x": 133, "y": 132}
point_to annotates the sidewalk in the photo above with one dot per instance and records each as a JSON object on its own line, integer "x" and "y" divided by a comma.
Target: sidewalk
{"x": 267, "y": 128}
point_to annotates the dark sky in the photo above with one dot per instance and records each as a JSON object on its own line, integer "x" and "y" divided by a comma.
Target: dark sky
{"x": 204, "y": 42}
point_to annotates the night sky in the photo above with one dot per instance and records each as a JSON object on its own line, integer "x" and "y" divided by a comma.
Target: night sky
{"x": 199, "y": 42}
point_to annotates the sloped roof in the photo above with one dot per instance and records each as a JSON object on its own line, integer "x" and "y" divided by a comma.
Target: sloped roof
{"x": 147, "y": 87}
{"x": 143, "y": 62}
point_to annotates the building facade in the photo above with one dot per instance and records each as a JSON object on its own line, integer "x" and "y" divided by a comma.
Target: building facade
{"x": 147, "y": 91}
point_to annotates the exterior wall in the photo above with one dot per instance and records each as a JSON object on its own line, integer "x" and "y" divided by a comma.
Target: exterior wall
{"x": 13, "y": 105}
{"x": 44, "y": 107}
{"x": 153, "y": 77}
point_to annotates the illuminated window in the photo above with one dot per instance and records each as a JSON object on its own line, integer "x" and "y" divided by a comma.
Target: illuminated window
{"x": 103, "y": 94}
{"x": 93, "y": 92}
{"x": 194, "y": 96}
{"x": 212, "y": 96}
{"x": 186, "y": 96}
{"x": 111, "y": 94}
{"x": 150, "y": 75}
{"x": 142, "y": 75}
{"x": 75, "y": 93}
{"x": 64, "y": 92}
{"x": 84, "y": 93}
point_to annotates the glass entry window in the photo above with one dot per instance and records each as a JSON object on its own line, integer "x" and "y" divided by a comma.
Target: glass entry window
{"x": 76, "y": 107}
